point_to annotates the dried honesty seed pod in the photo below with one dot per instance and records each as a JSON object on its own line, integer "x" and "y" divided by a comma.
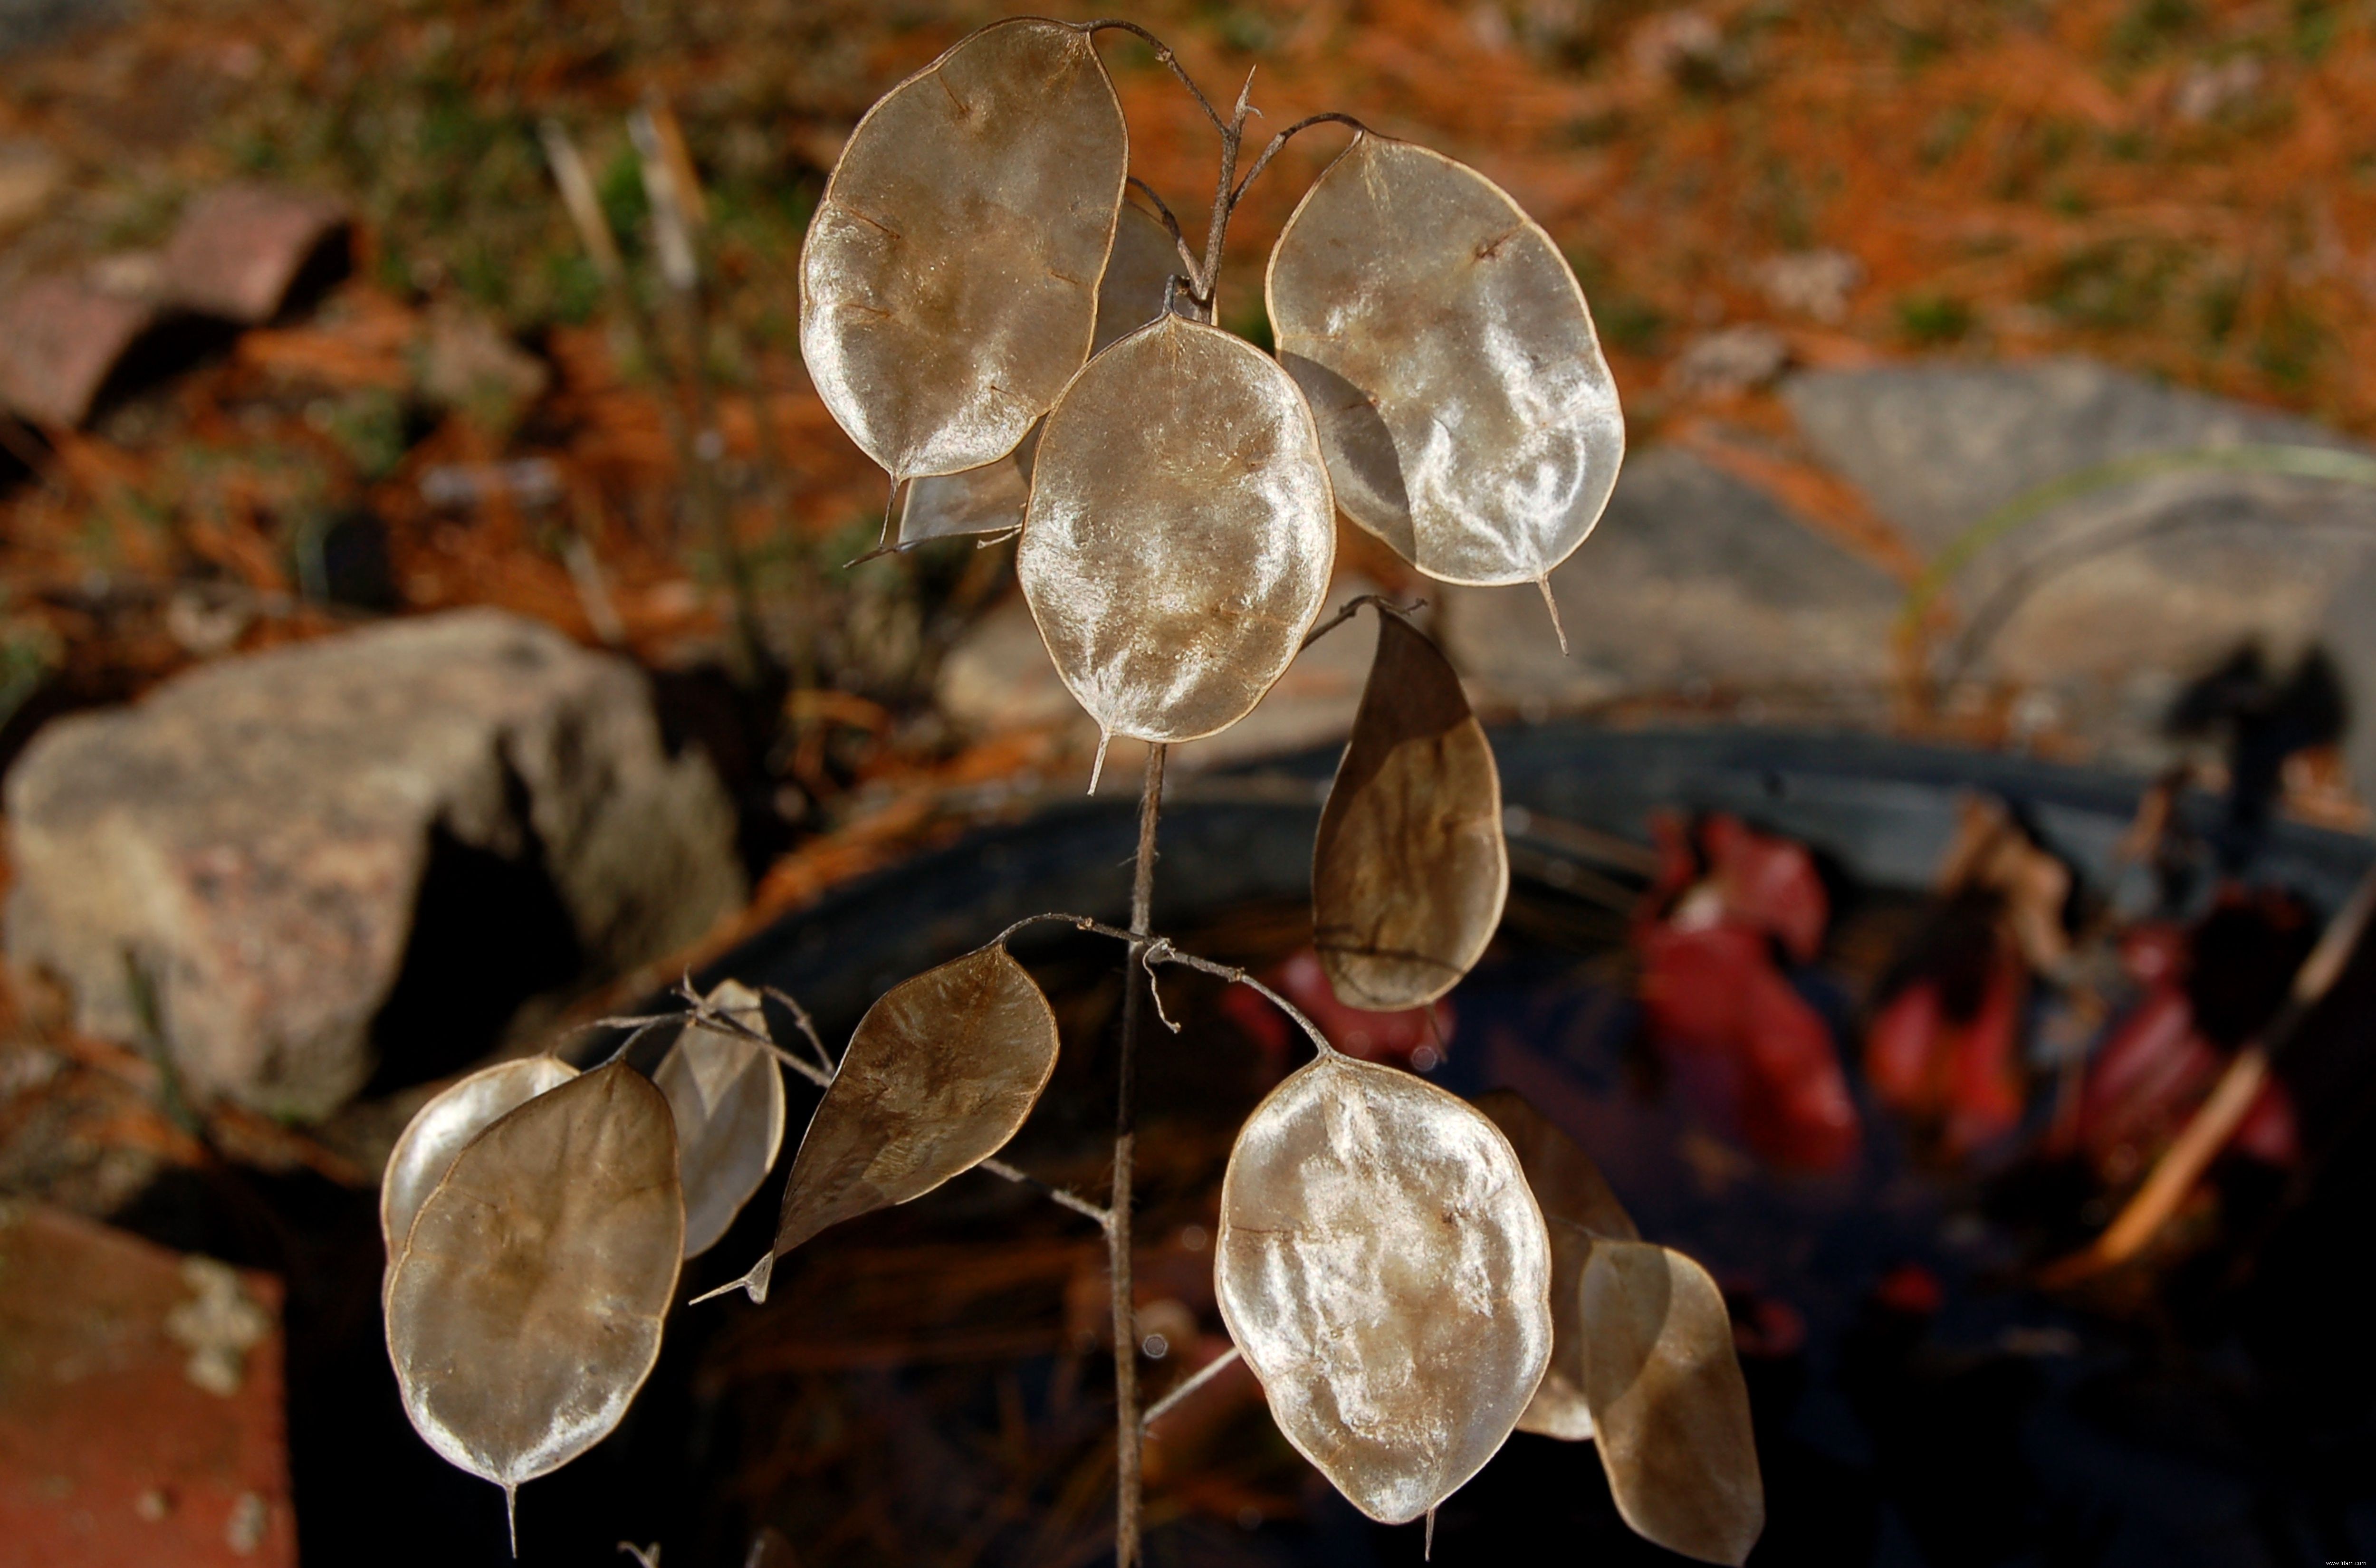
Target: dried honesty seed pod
{"x": 949, "y": 280}
{"x": 1410, "y": 872}
{"x": 425, "y": 1150}
{"x": 1385, "y": 1272}
{"x": 990, "y": 499}
{"x": 1578, "y": 1206}
{"x": 526, "y": 1310}
{"x": 1667, "y": 1402}
{"x": 940, "y": 1074}
{"x": 1469, "y": 419}
{"x": 727, "y": 1095}
{"x": 1565, "y": 1179}
{"x": 1180, "y": 534}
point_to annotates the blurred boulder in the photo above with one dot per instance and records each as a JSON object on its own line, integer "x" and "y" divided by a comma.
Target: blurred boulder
{"x": 376, "y": 844}
{"x": 2107, "y": 600}
{"x": 1695, "y": 581}
{"x": 240, "y": 249}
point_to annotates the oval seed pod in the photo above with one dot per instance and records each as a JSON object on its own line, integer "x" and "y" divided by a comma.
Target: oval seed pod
{"x": 425, "y": 1150}
{"x": 1469, "y": 419}
{"x": 1387, "y": 1274}
{"x": 1578, "y": 1206}
{"x": 1667, "y": 1402}
{"x": 1410, "y": 871}
{"x": 1565, "y": 1179}
{"x": 938, "y": 1077}
{"x": 526, "y": 1311}
{"x": 1179, "y": 535}
{"x": 990, "y": 499}
{"x": 949, "y": 279}
{"x": 727, "y": 1097}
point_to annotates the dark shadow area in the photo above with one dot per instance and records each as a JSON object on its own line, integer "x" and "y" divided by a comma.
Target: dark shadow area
{"x": 488, "y": 932}
{"x": 173, "y": 347}
{"x": 331, "y": 263}
{"x": 736, "y": 728}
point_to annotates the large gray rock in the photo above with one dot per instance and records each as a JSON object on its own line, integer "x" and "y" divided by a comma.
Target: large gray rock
{"x": 256, "y": 836}
{"x": 2106, "y": 600}
{"x": 1693, "y": 581}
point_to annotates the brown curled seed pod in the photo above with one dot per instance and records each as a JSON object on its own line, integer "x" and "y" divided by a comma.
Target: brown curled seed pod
{"x": 727, "y": 1094}
{"x": 1579, "y": 1207}
{"x": 1410, "y": 871}
{"x": 1387, "y": 1274}
{"x": 949, "y": 279}
{"x": 526, "y": 1311}
{"x": 939, "y": 1075}
{"x": 990, "y": 499}
{"x": 1669, "y": 1406}
{"x": 1179, "y": 535}
{"x": 425, "y": 1150}
{"x": 1470, "y": 418}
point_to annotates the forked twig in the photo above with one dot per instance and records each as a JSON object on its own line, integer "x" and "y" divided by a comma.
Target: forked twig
{"x": 1189, "y": 1385}
{"x": 1171, "y": 224}
{"x": 1352, "y": 607}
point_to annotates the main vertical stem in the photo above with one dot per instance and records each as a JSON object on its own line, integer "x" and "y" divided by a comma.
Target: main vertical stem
{"x": 1125, "y": 1315}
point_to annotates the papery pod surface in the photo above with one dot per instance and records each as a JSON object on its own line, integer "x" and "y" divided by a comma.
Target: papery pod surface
{"x": 1669, "y": 1406}
{"x": 1387, "y": 1274}
{"x": 727, "y": 1095}
{"x": 950, "y": 279}
{"x": 1470, "y": 418}
{"x": 1410, "y": 871}
{"x": 526, "y": 1310}
{"x": 1578, "y": 1206}
{"x": 990, "y": 499}
{"x": 940, "y": 1074}
{"x": 1179, "y": 535}
{"x": 425, "y": 1150}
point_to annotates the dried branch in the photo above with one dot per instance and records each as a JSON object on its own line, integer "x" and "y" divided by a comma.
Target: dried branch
{"x": 1171, "y": 224}
{"x": 1164, "y": 55}
{"x": 1352, "y": 607}
{"x": 1286, "y": 136}
{"x": 1189, "y": 1385}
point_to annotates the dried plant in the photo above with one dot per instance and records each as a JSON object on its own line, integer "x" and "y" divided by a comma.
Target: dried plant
{"x": 1409, "y": 1276}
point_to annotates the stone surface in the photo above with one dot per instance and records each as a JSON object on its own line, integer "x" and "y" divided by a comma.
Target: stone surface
{"x": 1694, "y": 580}
{"x": 140, "y": 1403}
{"x": 258, "y": 836}
{"x": 238, "y": 248}
{"x": 2109, "y": 600}
{"x": 60, "y": 337}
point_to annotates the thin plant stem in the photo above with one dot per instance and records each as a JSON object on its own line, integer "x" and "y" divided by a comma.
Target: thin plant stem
{"x": 1352, "y": 607}
{"x": 1164, "y": 56}
{"x": 1280, "y": 140}
{"x": 1171, "y": 226}
{"x": 1128, "y": 1499}
{"x": 1189, "y": 1385}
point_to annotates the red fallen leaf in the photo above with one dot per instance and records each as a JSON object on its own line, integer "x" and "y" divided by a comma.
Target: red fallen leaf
{"x": 1964, "y": 1076}
{"x": 1746, "y": 1046}
{"x": 1408, "y": 1039}
{"x": 2148, "y": 1078}
{"x": 239, "y": 248}
{"x": 1741, "y": 876}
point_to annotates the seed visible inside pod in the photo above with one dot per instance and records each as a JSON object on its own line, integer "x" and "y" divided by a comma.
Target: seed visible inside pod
{"x": 1410, "y": 871}
{"x": 1387, "y": 1274}
{"x": 526, "y": 1311}
{"x": 950, "y": 279}
{"x": 1181, "y": 532}
{"x": 1469, "y": 419}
